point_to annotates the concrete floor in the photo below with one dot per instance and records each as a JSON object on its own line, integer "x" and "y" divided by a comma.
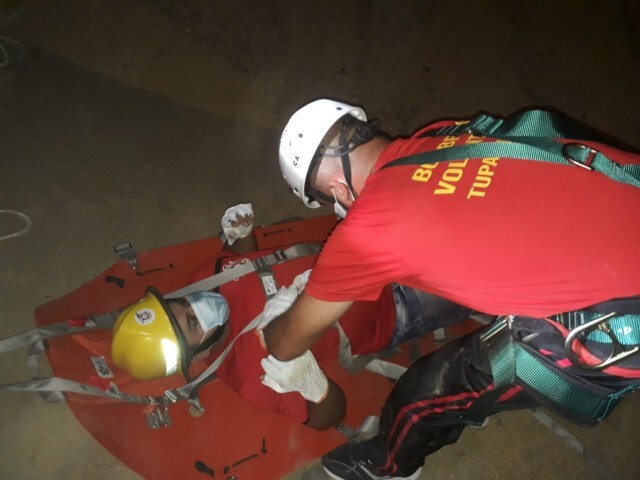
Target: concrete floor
{"x": 144, "y": 120}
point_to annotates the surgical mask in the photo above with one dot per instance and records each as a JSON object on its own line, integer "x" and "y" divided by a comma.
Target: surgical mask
{"x": 338, "y": 208}
{"x": 211, "y": 309}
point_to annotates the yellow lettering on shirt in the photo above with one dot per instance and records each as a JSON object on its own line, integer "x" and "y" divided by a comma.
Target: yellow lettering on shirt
{"x": 483, "y": 177}
{"x": 473, "y": 139}
{"x": 450, "y": 177}
{"x": 423, "y": 174}
{"x": 448, "y": 141}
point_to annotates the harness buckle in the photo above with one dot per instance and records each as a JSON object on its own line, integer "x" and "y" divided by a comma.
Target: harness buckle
{"x": 620, "y": 351}
{"x": 588, "y": 160}
{"x": 497, "y": 326}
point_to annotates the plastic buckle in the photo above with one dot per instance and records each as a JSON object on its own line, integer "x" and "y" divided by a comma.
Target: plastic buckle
{"x": 588, "y": 161}
{"x": 126, "y": 252}
{"x": 620, "y": 351}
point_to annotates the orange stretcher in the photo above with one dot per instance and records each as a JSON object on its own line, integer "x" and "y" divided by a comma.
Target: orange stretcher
{"x": 232, "y": 438}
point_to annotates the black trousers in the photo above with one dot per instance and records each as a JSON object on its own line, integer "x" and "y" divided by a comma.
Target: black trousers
{"x": 436, "y": 399}
{"x": 453, "y": 387}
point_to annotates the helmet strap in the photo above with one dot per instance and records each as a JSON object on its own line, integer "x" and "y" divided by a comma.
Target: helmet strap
{"x": 363, "y": 132}
{"x": 206, "y": 345}
{"x": 183, "y": 346}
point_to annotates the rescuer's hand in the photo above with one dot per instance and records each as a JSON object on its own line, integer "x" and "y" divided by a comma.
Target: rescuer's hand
{"x": 302, "y": 374}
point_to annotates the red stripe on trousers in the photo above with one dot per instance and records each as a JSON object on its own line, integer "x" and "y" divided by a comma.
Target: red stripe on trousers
{"x": 416, "y": 417}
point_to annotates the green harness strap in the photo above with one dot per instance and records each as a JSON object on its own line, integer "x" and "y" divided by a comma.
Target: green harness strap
{"x": 511, "y": 362}
{"x": 626, "y": 327}
{"x": 529, "y": 136}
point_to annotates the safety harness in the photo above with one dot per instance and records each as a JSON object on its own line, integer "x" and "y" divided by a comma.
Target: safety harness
{"x": 533, "y": 135}
{"x": 53, "y": 388}
{"x": 527, "y": 136}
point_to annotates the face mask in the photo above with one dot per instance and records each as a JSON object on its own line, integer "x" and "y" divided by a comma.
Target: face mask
{"x": 338, "y": 208}
{"x": 211, "y": 309}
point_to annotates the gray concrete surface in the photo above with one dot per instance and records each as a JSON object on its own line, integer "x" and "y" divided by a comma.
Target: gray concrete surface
{"x": 144, "y": 120}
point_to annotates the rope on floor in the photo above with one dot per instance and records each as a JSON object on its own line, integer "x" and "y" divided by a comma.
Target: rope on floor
{"x": 27, "y": 221}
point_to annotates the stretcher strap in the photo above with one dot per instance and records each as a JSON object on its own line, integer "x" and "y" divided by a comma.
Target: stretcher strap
{"x": 39, "y": 334}
{"x": 279, "y": 256}
{"x": 372, "y": 362}
{"x": 51, "y": 389}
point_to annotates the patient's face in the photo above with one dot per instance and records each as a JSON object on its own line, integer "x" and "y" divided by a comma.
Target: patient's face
{"x": 187, "y": 320}
{"x": 193, "y": 332}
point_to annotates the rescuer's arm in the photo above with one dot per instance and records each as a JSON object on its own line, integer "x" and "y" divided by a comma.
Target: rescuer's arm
{"x": 294, "y": 331}
{"x": 330, "y": 411}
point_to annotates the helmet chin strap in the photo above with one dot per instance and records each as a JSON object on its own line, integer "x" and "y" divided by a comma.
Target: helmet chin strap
{"x": 362, "y": 133}
{"x": 206, "y": 345}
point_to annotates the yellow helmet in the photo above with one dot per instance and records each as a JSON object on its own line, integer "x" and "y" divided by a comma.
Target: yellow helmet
{"x": 147, "y": 340}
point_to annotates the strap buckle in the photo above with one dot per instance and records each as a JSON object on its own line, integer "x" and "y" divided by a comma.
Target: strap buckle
{"x": 280, "y": 255}
{"x": 588, "y": 160}
{"x": 158, "y": 417}
{"x": 620, "y": 351}
{"x": 125, "y": 251}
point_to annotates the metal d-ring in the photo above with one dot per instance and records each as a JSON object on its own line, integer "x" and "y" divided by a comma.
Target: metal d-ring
{"x": 589, "y": 160}
{"x": 620, "y": 351}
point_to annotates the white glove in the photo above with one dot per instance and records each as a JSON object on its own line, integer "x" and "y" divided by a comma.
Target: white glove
{"x": 237, "y": 222}
{"x": 282, "y": 301}
{"x": 302, "y": 374}
{"x": 301, "y": 280}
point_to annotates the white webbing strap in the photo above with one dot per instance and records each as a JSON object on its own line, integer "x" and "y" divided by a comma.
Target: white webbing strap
{"x": 355, "y": 363}
{"x": 51, "y": 389}
{"x": 39, "y": 334}
{"x": 240, "y": 270}
{"x": 184, "y": 392}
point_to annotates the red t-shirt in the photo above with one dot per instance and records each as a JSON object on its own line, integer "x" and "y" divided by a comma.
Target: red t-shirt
{"x": 502, "y": 236}
{"x": 368, "y": 324}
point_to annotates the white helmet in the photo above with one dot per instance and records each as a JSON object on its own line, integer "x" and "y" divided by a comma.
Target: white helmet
{"x": 302, "y": 136}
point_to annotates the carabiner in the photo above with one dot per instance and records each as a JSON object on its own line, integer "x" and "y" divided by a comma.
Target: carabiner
{"x": 620, "y": 351}
{"x": 587, "y": 162}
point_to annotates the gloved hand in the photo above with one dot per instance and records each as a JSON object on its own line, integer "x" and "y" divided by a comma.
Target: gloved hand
{"x": 282, "y": 301}
{"x": 302, "y": 374}
{"x": 237, "y": 222}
